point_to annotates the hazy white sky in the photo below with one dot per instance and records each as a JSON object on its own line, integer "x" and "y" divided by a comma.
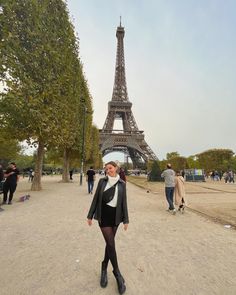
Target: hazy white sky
{"x": 180, "y": 67}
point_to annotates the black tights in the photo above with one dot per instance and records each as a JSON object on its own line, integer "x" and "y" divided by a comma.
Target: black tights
{"x": 110, "y": 250}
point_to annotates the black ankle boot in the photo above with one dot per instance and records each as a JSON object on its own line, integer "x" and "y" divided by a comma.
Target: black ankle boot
{"x": 120, "y": 281}
{"x": 103, "y": 281}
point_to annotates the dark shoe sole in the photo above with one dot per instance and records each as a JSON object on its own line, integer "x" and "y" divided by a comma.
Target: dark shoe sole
{"x": 103, "y": 286}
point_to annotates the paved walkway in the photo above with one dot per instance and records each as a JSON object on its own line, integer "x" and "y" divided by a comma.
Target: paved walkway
{"x": 47, "y": 247}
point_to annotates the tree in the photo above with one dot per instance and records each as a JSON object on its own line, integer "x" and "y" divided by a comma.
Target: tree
{"x": 93, "y": 152}
{"x": 155, "y": 174}
{"x": 24, "y": 162}
{"x": 9, "y": 147}
{"x": 179, "y": 163}
{"x": 232, "y": 163}
{"x": 39, "y": 62}
{"x": 172, "y": 155}
{"x": 215, "y": 159}
{"x": 81, "y": 129}
{"x": 193, "y": 162}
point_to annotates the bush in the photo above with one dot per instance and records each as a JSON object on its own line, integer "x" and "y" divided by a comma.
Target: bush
{"x": 155, "y": 173}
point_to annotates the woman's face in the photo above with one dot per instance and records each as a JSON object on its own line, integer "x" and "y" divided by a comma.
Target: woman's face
{"x": 111, "y": 170}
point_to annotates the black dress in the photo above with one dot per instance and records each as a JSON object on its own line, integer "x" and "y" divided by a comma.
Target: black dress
{"x": 108, "y": 216}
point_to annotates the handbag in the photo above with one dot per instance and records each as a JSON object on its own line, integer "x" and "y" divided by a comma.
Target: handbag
{"x": 108, "y": 194}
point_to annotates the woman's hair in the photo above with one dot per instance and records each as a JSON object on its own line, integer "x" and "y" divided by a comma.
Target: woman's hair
{"x": 111, "y": 163}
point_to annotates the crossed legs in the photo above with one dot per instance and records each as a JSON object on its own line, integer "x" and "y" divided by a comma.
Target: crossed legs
{"x": 110, "y": 250}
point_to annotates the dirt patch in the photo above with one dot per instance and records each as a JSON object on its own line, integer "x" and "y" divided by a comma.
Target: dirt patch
{"x": 215, "y": 199}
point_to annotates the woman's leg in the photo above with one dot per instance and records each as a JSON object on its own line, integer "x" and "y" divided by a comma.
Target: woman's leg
{"x": 6, "y": 189}
{"x": 110, "y": 250}
{"x": 103, "y": 280}
{"x": 110, "y": 253}
{"x": 12, "y": 190}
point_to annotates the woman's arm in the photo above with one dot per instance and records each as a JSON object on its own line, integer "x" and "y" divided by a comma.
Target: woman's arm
{"x": 94, "y": 203}
{"x": 7, "y": 174}
{"x": 125, "y": 207}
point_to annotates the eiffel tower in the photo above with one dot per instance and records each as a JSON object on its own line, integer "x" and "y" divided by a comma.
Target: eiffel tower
{"x": 130, "y": 140}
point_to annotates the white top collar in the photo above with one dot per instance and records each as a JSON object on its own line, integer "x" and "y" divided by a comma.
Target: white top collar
{"x": 113, "y": 180}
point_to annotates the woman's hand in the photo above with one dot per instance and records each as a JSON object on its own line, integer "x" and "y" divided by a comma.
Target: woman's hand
{"x": 125, "y": 226}
{"x": 89, "y": 222}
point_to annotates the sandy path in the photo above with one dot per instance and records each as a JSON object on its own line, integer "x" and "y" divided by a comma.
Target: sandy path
{"x": 213, "y": 198}
{"x": 47, "y": 247}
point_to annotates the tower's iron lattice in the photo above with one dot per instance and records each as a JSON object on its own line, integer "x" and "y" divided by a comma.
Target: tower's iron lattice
{"x": 130, "y": 140}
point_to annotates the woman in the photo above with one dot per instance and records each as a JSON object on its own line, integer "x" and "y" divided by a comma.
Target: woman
{"x": 109, "y": 208}
{"x": 122, "y": 174}
{"x": 179, "y": 192}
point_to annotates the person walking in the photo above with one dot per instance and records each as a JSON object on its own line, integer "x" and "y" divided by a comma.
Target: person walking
{"x": 1, "y": 181}
{"x": 1, "y": 173}
{"x": 31, "y": 175}
{"x": 90, "y": 177}
{"x": 71, "y": 173}
{"x": 10, "y": 184}
{"x": 179, "y": 192}
{"x": 231, "y": 176}
{"x": 109, "y": 208}
{"x": 169, "y": 177}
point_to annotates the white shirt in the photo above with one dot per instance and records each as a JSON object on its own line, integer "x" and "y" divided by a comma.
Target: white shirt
{"x": 111, "y": 181}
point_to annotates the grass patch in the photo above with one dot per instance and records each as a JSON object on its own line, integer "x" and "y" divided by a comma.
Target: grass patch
{"x": 142, "y": 182}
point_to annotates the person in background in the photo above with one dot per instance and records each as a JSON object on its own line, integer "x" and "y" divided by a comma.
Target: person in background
{"x": 71, "y": 174}
{"x": 179, "y": 192}
{"x": 122, "y": 174}
{"x": 1, "y": 180}
{"x": 169, "y": 177}
{"x": 231, "y": 176}
{"x": 90, "y": 177}
{"x": 31, "y": 175}
{"x": 109, "y": 208}
{"x": 1, "y": 173}
{"x": 10, "y": 184}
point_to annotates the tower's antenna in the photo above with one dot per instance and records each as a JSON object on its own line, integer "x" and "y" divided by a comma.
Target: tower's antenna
{"x": 120, "y": 20}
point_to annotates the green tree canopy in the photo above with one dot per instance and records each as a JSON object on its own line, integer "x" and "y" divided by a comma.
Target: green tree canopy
{"x": 39, "y": 62}
{"x": 193, "y": 162}
{"x": 179, "y": 163}
{"x": 172, "y": 155}
{"x": 93, "y": 152}
{"x": 215, "y": 159}
{"x": 9, "y": 147}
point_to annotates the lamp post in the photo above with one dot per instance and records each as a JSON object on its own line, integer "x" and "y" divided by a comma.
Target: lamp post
{"x": 83, "y": 139}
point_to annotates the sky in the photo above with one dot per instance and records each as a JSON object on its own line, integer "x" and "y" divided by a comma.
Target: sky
{"x": 180, "y": 68}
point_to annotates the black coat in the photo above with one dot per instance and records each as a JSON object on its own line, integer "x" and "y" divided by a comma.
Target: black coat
{"x": 121, "y": 208}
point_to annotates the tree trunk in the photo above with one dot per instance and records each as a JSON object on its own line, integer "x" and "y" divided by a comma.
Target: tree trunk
{"x": 36, "y": 184}
{"x": 65, "y": 174}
